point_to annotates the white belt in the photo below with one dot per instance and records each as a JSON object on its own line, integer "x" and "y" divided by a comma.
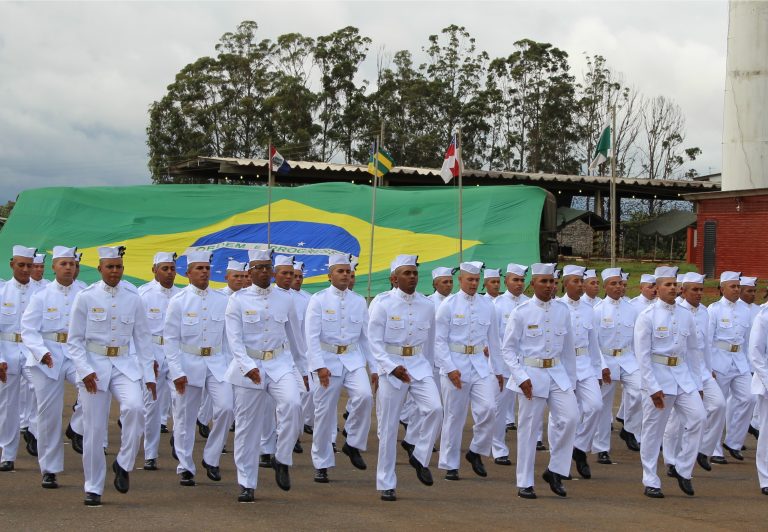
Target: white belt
{"x": 264, "y": 355}
{"x": 615, "y": 352}
{"x": 11, "y": 337}
{"x": 665, "y": 360}
{"x": 404, "y": 350}
{"x": 158, "y": 339}
{"x": 200, "y": 351}
{"x": 338, "y": 349}
{"x": 59, "y": 337}
{"x": 725, "y": 346}
{"x": 466, "y": 349}
{"x": 106, "y": 350}
{"x": 581, "y": 351}
{"x": 541, "y": 362}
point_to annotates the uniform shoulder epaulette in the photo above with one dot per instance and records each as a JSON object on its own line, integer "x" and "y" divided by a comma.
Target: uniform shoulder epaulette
{"x": 129, "y": 286}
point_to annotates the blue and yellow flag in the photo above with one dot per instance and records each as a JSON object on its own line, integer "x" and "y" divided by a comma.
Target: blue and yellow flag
{"x": 381, "y": 162}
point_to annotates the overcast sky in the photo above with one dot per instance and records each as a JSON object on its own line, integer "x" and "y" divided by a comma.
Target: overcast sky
{"x": 76, "y": 79}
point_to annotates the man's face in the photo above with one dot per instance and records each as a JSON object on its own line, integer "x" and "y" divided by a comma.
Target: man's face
{"x": 261, "y": 272}
{"x": 515, "y": 284}
{"x": 747, "y": 294}
{"x": 235, "y": 279}
{"x": 543, "y": 286}
{"x": 574, "y": 286}
{"x": 407, "y": 277}
{"x": 64, "y": 269}
{"x": 77, "y": 268}
{"x": 468, "y": 282}
{"x": 284, "y": 277}
{"x": 693, "y": 292}
{"x": 340, "y": 275}
{"x": 666, "y": 287}
{"x": 591, "y": 287}
{"x": 111, "y": 270}
{"x": 648, "y": 290}
{"x": 298, "y": 279}
{"x": 165, "y": 273}
{"x": 351, "y": 279}
{"x": 492, "y": 286}
{"x": 443, "y": 285}
{"x": 730, "y": 290}
{"x": 623, "y": 288}
{"x": 199, "y": 274}
{"x": 22, "y": 268}
{"x": 37, "y": 271}
{"x": 613, "y": 287}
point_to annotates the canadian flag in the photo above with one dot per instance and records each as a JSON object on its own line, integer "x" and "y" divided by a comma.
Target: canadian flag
{"x": 451, "y": 163}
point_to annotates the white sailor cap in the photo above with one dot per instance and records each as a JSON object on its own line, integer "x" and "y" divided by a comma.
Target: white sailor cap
{"x": 404, "y": 260}
{"x": 163, "y": 256}
{"x": 542, "y": 268}
{"x": 338, "y": 259}
{"x": 490, "y": 273}
{"x": 23, "y": 251}
{"x": 441, "y": 271}
{"x": 666, "y": 271}
{"x": 298, "y": 265}
{"x": 63, "y": 252}
{"x": 557, "y": 273}
{"x": 354, "y": 262}
{"x": 111, "y": 252}
{"x": 39, "y": 258}
{"x": 625, "y": 276}
{"x": 570, "y": 269}
{"x": 729, "y": 276}
{"x": 473, "y": 267}
{"x": 611, "y": 272}
{"x": 679, "y": 277}
{"x": 748, "y": 281}
{"x": 517, "y": 269}
{"x": 237, "y": 266}
{"x": 259, "y": 254}
{"x": 693, "y": 277}
{"x": 283, "y": 260}
{"x": 647, "y": 278}
{"x": 78, "y": 256}
{"x": 199, "y": 256}
{"x": 590, "y": 274}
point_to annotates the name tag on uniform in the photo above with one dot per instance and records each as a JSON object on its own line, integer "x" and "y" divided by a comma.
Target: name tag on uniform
{"x": 394, "y": 318}
{"x": 8, "y": 304}
{"x": 191, "y": 314}
{"x": 725, "y": 320}
{"x": 155, "y": 310}
{"x": 97, "y": 310}
{"x": 330, "y": 311}
{"x": 662, "y": 329}
{"x": 533, "y": 326}
{"x": 458, "y": 315}
{"x": 608, "y": 321}
{"x": 52, "y": 309}
{"x": 251, "y": 312}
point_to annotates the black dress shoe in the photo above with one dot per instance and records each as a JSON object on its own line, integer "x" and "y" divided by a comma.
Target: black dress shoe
{"x": 335, "y": 450}
{"x": 630, "y": 440}
{"x": 308, "y": 429}
{"x": 122, "y": 481}
{"x": 526, "y": 493}
{"x": 173, "y": 450}
{"x": 753, "y": 431}
{"x": 224, "y": 450}
{"x": 540, "y": 446}
{"x": 582, "y": 467}
{"x": 409, "y": 447}
{"x": 163, "y": 429}
{"x": 232, "y": 428}
{"x": 502, "y": 460}
{"x": 764, "y": 491}
{"x": 202, "y": 429}
{"x": 213, "y": 472}
{"x": 354, "y": 456}
{"x": 321, "y": 475}
{"x": 187, "y": 479}
{"x": 734, "y": 452}
{"x": 620, "y": 420}
{"x": 555, "y": 483}
{"x": 720, "y": 460}
{"x": 49, "y": 481}
{"x": 282, "y": 476}
{"x": 404, "y": 424}
{"x": 120, "y": 423}
{"x": 511, "y": 426}
{"x": 653, "y": 493}
{"x": 388, "y": 495}
{"x": 452, "y": 474}
{"x": 150, "y": 465}
{"x": 684, "y": 483}
{"x": 75, "y": 439}
{"x": 604, "y": 458}
{"x": 422, "y": 473}
{"x": 246, "y": 495}
{"x": 25, "y": 433}
{"x": 6, "y": 466}
{"x": 477, "y": 463}
{"x": 703, "y": 462}
{"x": 265, "y": 460}
{"x": 297, "y": 448}
{"x": 31, "y": 443}
{"x": 92, "y": 499}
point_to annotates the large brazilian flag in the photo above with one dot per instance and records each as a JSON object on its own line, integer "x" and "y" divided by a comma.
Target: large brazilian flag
{"x": 501, "y": 225}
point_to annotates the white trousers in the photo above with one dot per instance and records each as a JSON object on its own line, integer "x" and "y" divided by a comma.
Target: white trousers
{"x": 563, "y": 417}
{"x": 95, "y": 416}
{"x": 590, "y": 401}
{"x": 481, "y": 393}
{"x": 49, "y": 397}
{"x": 308, "y": 409}
{"x": 205, "y": 413}
{"x": 9, "y": 416}
{"x": 690, "y": 408}
{"x": 633, "y": 409}
{"x": 714, "y": 405}
{"x": 761, "y": 456}
{"x": 739, "y": 403}
{"x": 410, "y": 413}
{"x": 186, "y": 407}
{"x": 390, "y": 403}
{"x": 165, "y": 403}
{"x": 504, "y": 399}
{"x": 153, "y": 414}
{"x": 251, "y": 410}
{"x": 326, "y": 401}
{"x": 27, "y": 402}
{"x": 512, "y": 412}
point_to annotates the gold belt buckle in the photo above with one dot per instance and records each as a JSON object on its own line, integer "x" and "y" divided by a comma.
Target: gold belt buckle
{"x": 205, "y": 351}
{"x": 112, "y": 351}
{"x": 17, "y": 337}
{"x": 616, "y": 352}
{"x": 671, "y": 361}
{"x": 341, "y": 349}
{"x": 407, "y": 350}
{"x": 268, "y": 355}
{"x": 161, "y": 341}
{"x": 734, "y": 348}
{"x": 469, "y": 349}
{"x": 61, "y": 337}
{"x": 547, "y": 362}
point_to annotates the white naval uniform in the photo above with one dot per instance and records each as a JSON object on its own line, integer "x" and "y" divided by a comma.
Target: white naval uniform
{"x": 193, "y": 337}
{"x": 665, "y": 334}
{"x": 403, "y": 323}
{"x": 591, "y": 301}
{"x": 155, "y": 299}
{"x": 28, "y": 399}
{"x": 467, "y": 323}
{"x": 14, "y": 298}
{"x": 338, "y": 320}
{"x": 104, "y": 320}
{"x": 729, "y": 325}
{"x": 260, "y": 321}
{"x": 44, "y": 329}
{"x": 541, "y": 330}
{"x": 758, "y": 357}
{"x": 589, "y": 370}
{"x": 505, "y": 398}
{"x": 301, "y": 300}
{"x": 615, "y": 324}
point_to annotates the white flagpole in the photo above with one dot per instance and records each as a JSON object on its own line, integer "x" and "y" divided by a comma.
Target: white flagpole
{"x": 614, "y": 218}
{"x": 373, "y": 210}
{"x": 461, "y": 197}
{"x": 269, "y": 194}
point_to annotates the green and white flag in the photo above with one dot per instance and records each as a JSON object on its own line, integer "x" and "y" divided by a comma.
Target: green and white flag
{"x": 601, "y": 152}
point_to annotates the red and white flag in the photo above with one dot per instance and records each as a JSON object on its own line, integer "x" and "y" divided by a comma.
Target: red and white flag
{"x": 277, "y": 161}
{"x": 451, "y": 163}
